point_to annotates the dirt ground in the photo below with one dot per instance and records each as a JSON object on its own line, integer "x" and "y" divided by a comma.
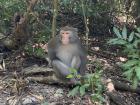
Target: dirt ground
{"x": 35, "y": 93}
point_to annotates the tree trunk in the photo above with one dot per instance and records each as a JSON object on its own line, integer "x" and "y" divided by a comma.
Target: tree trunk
{"x": 138, "y": 12}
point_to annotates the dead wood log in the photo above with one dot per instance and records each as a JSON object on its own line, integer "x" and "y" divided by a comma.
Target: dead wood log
{"x": 36, "y": 70}
{"x": 41, "y": 74}
{"x": 20, "y": 32}
{"x": 112, "y": 93}
{"x": 125, "y": 87}
{"x": 116, "y": 98}
{"x": 46, "y": 80}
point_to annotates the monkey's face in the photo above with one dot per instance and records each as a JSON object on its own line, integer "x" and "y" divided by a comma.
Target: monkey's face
{"x": 65, "y": 37}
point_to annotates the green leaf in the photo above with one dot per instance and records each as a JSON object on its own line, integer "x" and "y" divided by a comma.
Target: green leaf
{"x": 78, "y": 76}
{"x": 138, "y": 35}
{"x": 96, "y": 76}
{"x": 124, "y": 33}
{"x": 128, "y": 74}
{"x": 134, "y": 55}
{"x": 65, "y": 2}
{"x": 122, "y": 42}
{"x": 117, "y": 41}
{"x": 131, "y": 37}
{"x": 45, "y": 103}
{"x": 131, "y": 63}
{"x": 74, "y": 91}
{"x": 70, "y": 76}
{"x": 82, "y": 90}
{"x": 117, "y": 32}
{"x": 129, "y": 46}
{"x": 136, "y": 42}
{"x": 86, "y": 85}
{"x": 39, "y": 52}
{"x": 111, "y": 41}
{"x": 135, "y": 82}
{"x": 138, "y": 29}
{"x": 137, "y": 70}
{"x": 72, "y": 70}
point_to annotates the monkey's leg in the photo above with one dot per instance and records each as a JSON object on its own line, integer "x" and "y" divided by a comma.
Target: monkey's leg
{"x": 76, "y": 62}
{"x": 61, "y": 67}
{"x": 62, "y": 70}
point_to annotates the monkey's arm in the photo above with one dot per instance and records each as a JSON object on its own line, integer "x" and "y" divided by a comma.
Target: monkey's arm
{"x": 76, "y": 62}
{"x": 61, "y": 67}
{"x": 52, "y": 55}
{"x": 52, "y": 48}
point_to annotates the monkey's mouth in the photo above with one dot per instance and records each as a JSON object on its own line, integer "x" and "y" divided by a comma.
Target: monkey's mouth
{"x": 65, "y": 41}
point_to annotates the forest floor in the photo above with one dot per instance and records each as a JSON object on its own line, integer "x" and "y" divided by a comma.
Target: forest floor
{"x": 15, "y": 91}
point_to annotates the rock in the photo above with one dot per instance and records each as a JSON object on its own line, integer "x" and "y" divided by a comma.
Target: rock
{"x": 2, "y": 36}
{"x": 58, "y": 93}
{"x": 29, "y": 100}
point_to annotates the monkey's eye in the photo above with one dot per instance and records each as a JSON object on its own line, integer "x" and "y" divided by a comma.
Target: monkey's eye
{"x": 67, "y": 33}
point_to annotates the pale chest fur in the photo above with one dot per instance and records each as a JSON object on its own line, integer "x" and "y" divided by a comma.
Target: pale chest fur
{"x": 66, "y": 52}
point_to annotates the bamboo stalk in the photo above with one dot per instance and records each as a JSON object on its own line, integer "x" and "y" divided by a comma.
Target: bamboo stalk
{"x": 55, "y": 12}
{"x": 86, "y": 23}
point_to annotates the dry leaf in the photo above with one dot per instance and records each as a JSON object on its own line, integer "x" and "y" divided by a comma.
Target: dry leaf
{"x": 1, "y": 68}
{"x": 122, "y": 59}
{"x": 110, "y": 87}
{"x": 3, "y": 64}
{"x": 39, "y": 97}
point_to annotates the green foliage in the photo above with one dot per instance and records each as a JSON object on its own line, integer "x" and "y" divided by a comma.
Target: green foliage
{"x": 91, "y": 8}
{"x": 35, "y": 50}
{"x": 73, "y": 74}
{"x": 117, "y": 32}
{"x": 130, "y": 43}
{"x": 92, "y": 82}
{"x": 74, "y": 91}
{"x": 45, "y": 103}
{"x": 132, "y": 71}
{"x": 81, "y": 89}
{"x": 95, "y": 84}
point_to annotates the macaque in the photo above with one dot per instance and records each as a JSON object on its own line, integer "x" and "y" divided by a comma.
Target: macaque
{"x": 65, "y": 51}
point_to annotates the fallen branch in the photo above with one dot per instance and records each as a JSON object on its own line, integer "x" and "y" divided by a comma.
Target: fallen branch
{"x": 114, "y": 97}
{"x": 33, "y": 70}
{"x": 48, "y": 79}
{"x": 125, "y": 87}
